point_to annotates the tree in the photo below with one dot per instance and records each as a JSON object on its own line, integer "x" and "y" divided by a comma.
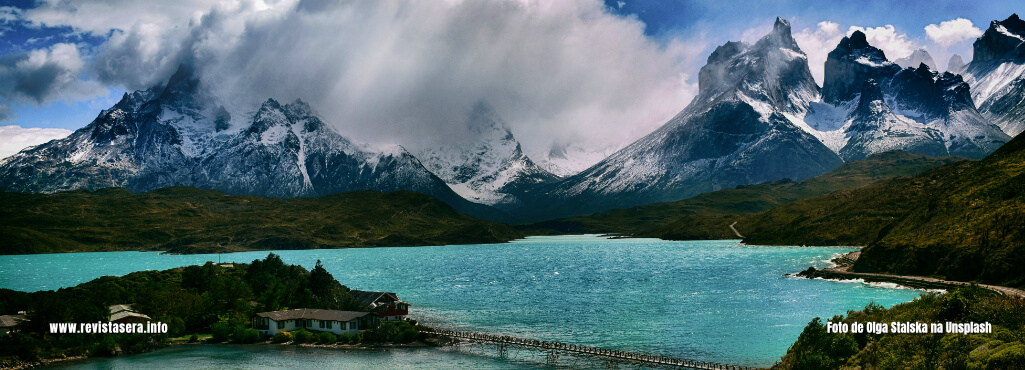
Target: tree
{"x": 321, "y": 282}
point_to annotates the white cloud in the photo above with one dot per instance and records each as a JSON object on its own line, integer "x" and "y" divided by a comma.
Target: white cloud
{"x": 817, "y": 43}
{"x": 15, "y": 138}
{"x": 404, "y": 71}
{"x": 895, "y": 45}
{"x": 9, "y": 14}
{"x": 950, "y": 32}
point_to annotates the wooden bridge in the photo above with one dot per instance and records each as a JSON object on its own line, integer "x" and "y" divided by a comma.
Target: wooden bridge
{"x": 612, "y": 357}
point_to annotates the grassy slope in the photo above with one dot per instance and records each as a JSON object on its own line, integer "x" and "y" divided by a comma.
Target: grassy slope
{"x": 190, "y": 220}
{"x": 708, "y": 215}
{"x": 962, "y": 221}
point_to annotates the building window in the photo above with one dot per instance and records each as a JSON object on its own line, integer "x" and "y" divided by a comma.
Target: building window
{"x": 281, "y": 324}
{"x": 330, "y": 324}
{"x": 352, "y": 325}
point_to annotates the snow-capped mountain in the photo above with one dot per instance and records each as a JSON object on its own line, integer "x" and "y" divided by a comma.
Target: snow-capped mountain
{"x": 920, "y": 56}
{"x": 997, "y": 74}
{"x": 176, "y": 134}
{"x": 488, "y": 165}
{"x": 759, "y": 116}
{"x": 871, "y": 105}
{"x": 734, "y": 132}
{"x": 566, "y": 159}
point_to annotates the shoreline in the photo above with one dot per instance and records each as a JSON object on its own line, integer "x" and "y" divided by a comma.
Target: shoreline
{"x": 169, "y": 345}
{"x": 844, "y": 262}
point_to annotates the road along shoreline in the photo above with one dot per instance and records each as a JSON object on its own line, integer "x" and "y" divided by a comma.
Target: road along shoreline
{"x": 840, "y": 272}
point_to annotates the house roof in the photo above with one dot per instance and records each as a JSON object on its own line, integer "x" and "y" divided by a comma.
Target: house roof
{"x": 372, "y": 299}
{"x": 312, "y": 314}
{"x": 10, "y": 321}
{"x": 125, "y": 314}
{"x": 120, "y": 307}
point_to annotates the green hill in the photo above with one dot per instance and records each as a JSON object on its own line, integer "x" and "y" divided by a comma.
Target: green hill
{"x": 708, "y": 216}
{"x": 1004, "y": 348}
{"x": 962, "y": 221}
{"x": 190, "y": 220}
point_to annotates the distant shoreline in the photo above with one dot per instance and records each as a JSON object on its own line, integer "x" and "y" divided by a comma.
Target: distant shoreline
{"x": 840, "y": 272}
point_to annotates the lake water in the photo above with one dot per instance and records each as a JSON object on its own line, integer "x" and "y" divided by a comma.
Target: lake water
{"x": 708, "y": 300}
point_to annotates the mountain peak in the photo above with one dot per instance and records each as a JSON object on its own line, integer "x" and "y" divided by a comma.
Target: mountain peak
{"x": 299, "y": 108}
{"x": 182, "y": 86}
{"x": 1004, "y": 40}
{"x": 1014, "y": 24}
{"x": 270, "y": 104}
{"x": 858, "y": 40}
{"x": 779, "y": 37}
{"x": 955, "y": 63}
{"x": 916, "y": 58}
{"x": 781, "y": 25}
{"x": 850, "y": 64}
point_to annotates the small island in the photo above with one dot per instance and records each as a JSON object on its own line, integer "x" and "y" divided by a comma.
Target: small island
{"x": 266, "y": 301}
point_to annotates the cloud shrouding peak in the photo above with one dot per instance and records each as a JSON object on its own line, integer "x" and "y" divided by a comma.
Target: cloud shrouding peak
{"x": 950, "y": 32}
{"x": 895, "y": 45}
{"x": 406, "y": 72}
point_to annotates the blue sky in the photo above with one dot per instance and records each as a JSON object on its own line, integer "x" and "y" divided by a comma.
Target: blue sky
{"x": 88, "y": 53}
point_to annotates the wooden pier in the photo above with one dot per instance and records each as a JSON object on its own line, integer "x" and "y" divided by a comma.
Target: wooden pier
{"x": 612, "y": 357}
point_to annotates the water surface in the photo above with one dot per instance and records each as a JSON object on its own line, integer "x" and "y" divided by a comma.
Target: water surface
{"x": 710, "y": 300}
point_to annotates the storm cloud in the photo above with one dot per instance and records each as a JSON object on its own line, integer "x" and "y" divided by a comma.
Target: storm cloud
{"x": 42, "y": 76}
{"x": 407, "y": 72}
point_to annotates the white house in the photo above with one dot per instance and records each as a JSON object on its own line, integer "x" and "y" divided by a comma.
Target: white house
{"x": 9, "y": 323}
{"x": 337, "y": 322}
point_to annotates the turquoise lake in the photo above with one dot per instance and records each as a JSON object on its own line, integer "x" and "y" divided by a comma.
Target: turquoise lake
{"x": 709, "y": 300}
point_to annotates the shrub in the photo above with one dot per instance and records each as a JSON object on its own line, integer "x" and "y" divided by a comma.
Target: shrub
{"x": 175, "y": 327}
{"x": 326, "y": 338}
{"x": 220, "y": 330}
{"x": 344, "y": 338}
{"x": 283, "y": 337}
{"x": 194, "y": 338}
{"x": 407, "y": 335}
{"x": 303, "y": 336}
{"x": 106, "y": 347}
{"x": 246, "y": 335}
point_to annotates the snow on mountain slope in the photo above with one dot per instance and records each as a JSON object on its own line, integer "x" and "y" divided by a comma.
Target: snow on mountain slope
{"x": 488, "y": 166}
{"x": 997, "y": 74}
{"x": 568, "y": 159}
{"x": 735, "y": 132}
{"x": 884, "y": 107}
{"x": 178, "y": 135}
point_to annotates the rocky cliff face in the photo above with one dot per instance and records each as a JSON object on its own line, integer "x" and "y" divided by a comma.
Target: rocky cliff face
{"x": 997, "y": 74}
{"x": 913, "y": 109}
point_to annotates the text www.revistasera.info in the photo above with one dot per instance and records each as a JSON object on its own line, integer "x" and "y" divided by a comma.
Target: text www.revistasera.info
{"x": 108, "y": 328}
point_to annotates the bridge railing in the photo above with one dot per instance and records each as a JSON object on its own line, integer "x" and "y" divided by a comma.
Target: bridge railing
{"x": 611, "y": 354}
